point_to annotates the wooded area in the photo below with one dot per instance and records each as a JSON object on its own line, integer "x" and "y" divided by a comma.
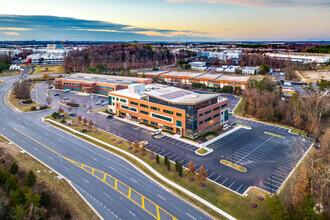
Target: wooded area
{"x": 112, "y": 58}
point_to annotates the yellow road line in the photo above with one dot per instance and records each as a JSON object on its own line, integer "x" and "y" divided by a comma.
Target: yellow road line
{"x": 80, "y": 165}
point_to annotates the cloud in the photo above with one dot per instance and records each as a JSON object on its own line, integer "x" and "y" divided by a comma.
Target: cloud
{"x": 265, "y": 3}
{"x": 14, "y": 29}
{"x": 11, "y": 33}
{"x": 39, "y": 27}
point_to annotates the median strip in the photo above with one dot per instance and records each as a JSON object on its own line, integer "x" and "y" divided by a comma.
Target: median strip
{"x": 275, "y": 135}
{"x": 234, "y": 166}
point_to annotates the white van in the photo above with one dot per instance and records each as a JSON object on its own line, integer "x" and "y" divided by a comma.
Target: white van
{"x": 158, "y": 131}
{"x": 287, "y": 83}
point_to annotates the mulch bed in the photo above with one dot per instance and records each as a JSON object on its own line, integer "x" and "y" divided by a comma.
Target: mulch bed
{"x": 143, "y": 154}
{"x": 90, "y": 130}
{"x": 260, "y": 198}
{"x": 135, "y": 151}
{"x": 152, "y": 157}
{"x": 113, "y": 139}
{"x": 202, "y": 185}
{"x": 119, "y": 142}
{"x": 99, "y": 133}
{"x": 130, "y": 148}
{"x": 253, "y": 205}
{"x": 191, "y": 179}
{"x": 107, "y": 136}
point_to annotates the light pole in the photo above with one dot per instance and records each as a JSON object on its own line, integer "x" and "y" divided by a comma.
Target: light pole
{"x": 271, "y": 183}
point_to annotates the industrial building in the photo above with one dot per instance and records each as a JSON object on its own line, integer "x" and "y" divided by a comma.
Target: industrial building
{"x": 302, "y": 57}
{"x": 211, "y": 80}
{"x": 170, "y": 108}
{"x": 100, "y": 84}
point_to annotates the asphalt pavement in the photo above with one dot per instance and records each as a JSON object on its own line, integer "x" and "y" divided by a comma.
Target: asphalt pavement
{"x": 29, "y": 132}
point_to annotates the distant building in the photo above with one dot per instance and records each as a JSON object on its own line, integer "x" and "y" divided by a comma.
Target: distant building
{"x": 169, "y": 108}
{"x": 221, "y": 55}
{"x": 250, "y": 70}
{"x": 198, "y": 66}
{"x": 232, "y": 69}
{"x": 54, "y": 46}
{"x": 302, "y": 57}
{"x": 151, "y": 74}
{"x": 15, "y": 67}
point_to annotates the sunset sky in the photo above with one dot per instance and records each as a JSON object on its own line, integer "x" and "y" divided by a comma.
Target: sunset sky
{"x": 165, "y": 20}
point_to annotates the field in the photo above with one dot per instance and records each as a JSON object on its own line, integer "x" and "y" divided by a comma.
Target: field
{"x": 313, "y": 76}
{"x": 228, "y": 201}
{"x": 10, "y": 73}
{"x": 40, "y": 70}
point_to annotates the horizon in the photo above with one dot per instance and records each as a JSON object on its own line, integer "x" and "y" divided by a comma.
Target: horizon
{"x": 166, "y": 20}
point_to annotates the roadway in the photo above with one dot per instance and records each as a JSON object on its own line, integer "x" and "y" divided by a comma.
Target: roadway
{"x": 29, "y": 132}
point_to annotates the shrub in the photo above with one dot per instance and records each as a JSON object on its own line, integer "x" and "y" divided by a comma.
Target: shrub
{"x": 157, "y": 159}
{"x": 43, "y": 107}
{"x": 55, "y": 115}
{"x": 44, "y": 199}
{"x": 63, "y": 120}
{"x": 72, "y": 104}
{"x": 13, "y": 168}
{"x": 30, "y": 179}
{"x": 33, "y": 108}
{"x": 83, "y": 130}
{"x": 28, "y": 101}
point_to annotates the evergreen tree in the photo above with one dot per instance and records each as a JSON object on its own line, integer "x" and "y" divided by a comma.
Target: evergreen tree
{"x": 13, "y": 168}
{"x": 176, "y": 165}
{"x": 169, "y": 166}
{"x": 166, "y": 160}
{"x": 157, "y": 159}
{"x": 30, "y": 179}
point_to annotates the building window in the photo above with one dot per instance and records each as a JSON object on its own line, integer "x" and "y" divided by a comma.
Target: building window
{"x": 129, "y": 108}
{"x": 178, "y": 114}
{"x": 154, "y": 108}
{"x": 201, "y": 122}
{"x": 208, "y": 119}
{"x": 144, "y": 112}
{"x": 179, "y": 123}
{"x": 216, "y": 115}
{"x": 217, "y": 108}
{"x": 168, "y": 128}
{"x": 208, "y": 112}
{"x": 123, "y": 100}
{"x": 134, "y": 103}
{"x": 226, "y": 115}
{"x": 154, "y": 123}
{"x": 201, "y": 115}
{"x": 224, "y": 105}
{"x": 167, "y": 111}
{"x": 216, "y": 124}
{"x": 208, "y": 128}
{"x": 144, "y": 106}
{"x": 161, "y": 117}
{"x": 145, "y": 121}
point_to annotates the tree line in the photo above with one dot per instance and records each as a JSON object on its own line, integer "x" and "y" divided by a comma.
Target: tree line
{"x": 112, "y": 58}
{"x": 309, "y": 112}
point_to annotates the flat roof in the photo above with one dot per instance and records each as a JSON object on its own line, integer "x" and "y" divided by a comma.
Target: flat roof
{"x": 98, "y": 76}
{"x": 180, "y": 96}
{"x": 107, "y": 79}
{"x": 209, "y": 76}
{"x": 154, "y": 73}
{"x": 182, "y": 74}
{"x": 234, "y": 78}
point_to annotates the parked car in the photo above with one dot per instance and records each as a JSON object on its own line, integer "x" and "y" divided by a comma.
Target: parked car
{"x": 109, "y": 116}
{"x": 158, "y": 131}
{"x": 71, "y": 114}
{"x": 225, "y": 127}
{"x": 287, "y": 83}
{"x": 56, "y": 94}
{"x": 98, "y": 103}
{"x": 50, "y": 87}
{"x": 105, "y": 103}
{"x": 66, "y": 98}
{"x": 66, "y": 91}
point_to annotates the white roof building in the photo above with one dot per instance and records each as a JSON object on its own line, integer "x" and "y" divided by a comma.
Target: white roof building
{"x": 250, "y": 70}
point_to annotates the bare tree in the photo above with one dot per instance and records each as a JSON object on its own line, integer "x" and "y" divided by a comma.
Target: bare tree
{"x": 49, "y": 100}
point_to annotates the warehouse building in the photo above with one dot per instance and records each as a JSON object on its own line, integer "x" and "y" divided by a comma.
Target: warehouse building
{"x": 99, "y": 84}
{"x": 170, "y": 108}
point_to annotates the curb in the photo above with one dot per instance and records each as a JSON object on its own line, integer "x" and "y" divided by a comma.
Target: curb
{"x": 68, "y": 181}
{"x": 147, "y": 166}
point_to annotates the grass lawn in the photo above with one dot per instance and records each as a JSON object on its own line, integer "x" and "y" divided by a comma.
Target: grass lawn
{"x": 1, "y": 81}
{"x": 10, "y": 73}
{"x": 226, "y": 200}
{"x": 61, "y": 187}
{"x": 49, "y": 70}
{"x": 24, "y": 107}
{"x": 202, "y": 151}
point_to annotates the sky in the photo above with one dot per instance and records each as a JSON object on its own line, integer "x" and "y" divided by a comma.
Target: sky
{"x": 165, "y": 20}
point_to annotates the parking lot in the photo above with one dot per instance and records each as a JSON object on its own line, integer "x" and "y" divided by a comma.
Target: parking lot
{"x": 268, "y": 159}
